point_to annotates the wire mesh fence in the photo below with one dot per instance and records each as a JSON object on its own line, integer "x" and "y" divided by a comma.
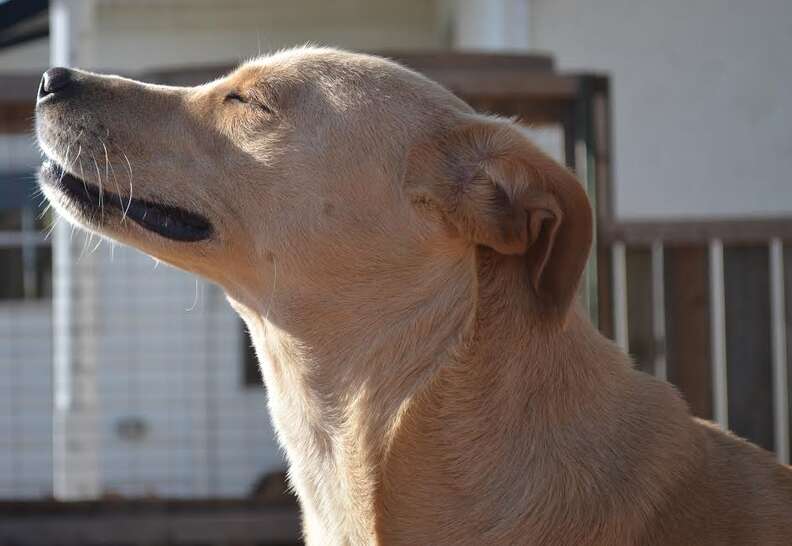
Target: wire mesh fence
{"x": 25, "y": 328}
{"x": 163, "y": 397}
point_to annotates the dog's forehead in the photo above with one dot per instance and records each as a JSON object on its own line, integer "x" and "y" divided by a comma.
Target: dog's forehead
{"x": 304, "y": 63}
{"x": 250, "y": 75}
{"x": 325, "y": 78}
{"x": 303, "y": 68}
{"x": 330, "y": 80}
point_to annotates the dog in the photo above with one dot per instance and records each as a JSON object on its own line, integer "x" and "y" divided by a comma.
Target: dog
{"x": 408, "y": 271}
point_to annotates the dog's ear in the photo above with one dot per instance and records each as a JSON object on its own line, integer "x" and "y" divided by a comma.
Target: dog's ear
{"x": 498, "y": 190}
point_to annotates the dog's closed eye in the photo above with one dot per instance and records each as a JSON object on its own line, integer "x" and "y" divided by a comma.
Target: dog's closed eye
{"x": 236, "y": 97}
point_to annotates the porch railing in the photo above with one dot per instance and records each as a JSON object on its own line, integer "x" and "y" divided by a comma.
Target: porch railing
{"x": 706, "y": 304}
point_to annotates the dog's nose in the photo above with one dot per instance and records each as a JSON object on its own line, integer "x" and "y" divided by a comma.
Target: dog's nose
{"x": 54, "y": 80}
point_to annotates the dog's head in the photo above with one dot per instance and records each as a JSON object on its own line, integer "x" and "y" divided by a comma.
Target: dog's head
{"x": 315, "y": 165}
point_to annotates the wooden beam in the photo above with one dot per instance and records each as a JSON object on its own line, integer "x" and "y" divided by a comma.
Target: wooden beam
{"x": 700, "y": 231}
{"x": 17, "y": 117}
{"x": 473, "y": 61}
{"x": 688, "y": 325}
{"x": 43, "y": 523}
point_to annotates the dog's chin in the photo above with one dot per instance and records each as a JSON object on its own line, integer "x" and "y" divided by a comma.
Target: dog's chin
{"x": 105, "y": 212}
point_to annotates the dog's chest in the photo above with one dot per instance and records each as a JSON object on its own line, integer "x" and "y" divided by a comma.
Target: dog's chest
{"x": 329, "y": 474}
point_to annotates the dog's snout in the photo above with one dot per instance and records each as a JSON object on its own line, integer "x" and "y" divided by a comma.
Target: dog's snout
{"x": 53, "y": 81}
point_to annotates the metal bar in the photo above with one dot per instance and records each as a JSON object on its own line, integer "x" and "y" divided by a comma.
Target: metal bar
{"x": 61, "y": 54}
{"x": 658, "y": 311}
{"x": 621, "y": 332}
{"x": 74, "y": 428}
{"x": 720, "y": 393}
{"x": 778, "y": 322}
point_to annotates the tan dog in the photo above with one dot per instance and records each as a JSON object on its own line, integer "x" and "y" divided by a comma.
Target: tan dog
{"x": 408, "y": 270}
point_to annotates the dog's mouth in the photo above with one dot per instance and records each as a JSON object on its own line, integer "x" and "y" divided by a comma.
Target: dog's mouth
{"x": 171, "y": 222}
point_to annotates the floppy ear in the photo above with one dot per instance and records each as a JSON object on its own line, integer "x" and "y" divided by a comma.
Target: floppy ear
{"x": 498, "y": 190}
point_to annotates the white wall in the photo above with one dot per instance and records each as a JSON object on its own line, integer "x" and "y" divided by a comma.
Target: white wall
{"x": 702, "y": 102}
{"x": 134, "y": 35}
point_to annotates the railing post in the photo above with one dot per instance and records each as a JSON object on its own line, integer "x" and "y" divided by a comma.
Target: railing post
{"x": 620, "y": 327}
{"x": 720, "y": 392}
{"x": 658, "y": 311}
{"x": 778, "y": 328}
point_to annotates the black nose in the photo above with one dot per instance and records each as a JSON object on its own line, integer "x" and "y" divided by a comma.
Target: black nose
{"x": 54, "y": 80}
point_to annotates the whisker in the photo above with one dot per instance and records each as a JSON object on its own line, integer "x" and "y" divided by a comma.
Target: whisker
{"x": 82, "y": 175}
{"x": 67, "y": 163}
{"x": 51, "y": 230}
{"x": 101, "y": 189}
{"x": 129, "y": 166}
{"x": 78, "y": 157}
{"x": 86, "y": 241}
{"x": 108, "y": 169}
{"x": 195, "y": 298}
{"x": 98, "y": 243}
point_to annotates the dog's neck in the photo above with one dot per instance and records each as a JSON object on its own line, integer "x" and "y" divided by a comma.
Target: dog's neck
{"x": 360, "y": 387}
{"x": 341, "y": 366}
